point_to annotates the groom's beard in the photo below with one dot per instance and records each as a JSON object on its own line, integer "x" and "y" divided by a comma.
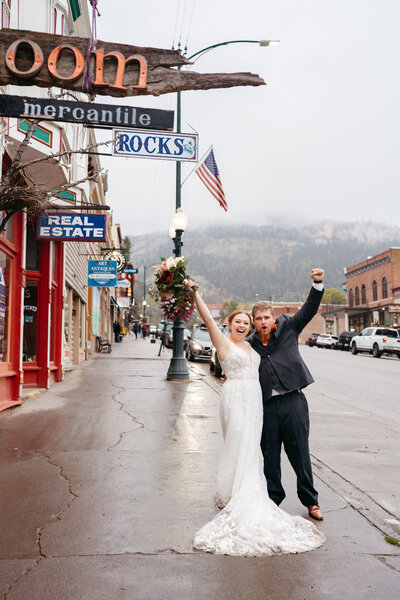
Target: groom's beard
{"x": 264, "y": 335}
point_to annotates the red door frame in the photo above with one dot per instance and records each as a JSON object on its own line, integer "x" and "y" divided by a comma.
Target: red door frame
{"x": 11, "y": 375}
{"x": 45, "y": 372}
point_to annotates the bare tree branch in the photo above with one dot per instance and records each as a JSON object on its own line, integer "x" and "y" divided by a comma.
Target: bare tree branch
{"x": 17, "y": 158}
{"x": 60, "y": 154}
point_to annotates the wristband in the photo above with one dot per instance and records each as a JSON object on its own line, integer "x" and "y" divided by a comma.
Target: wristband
{"x": 320, "y": 281}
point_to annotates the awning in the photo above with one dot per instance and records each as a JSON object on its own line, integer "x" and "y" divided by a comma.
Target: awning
{"x": 113, "y": 301}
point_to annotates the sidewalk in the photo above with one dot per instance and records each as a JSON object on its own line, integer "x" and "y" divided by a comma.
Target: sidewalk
{"x": 106, "y": 476}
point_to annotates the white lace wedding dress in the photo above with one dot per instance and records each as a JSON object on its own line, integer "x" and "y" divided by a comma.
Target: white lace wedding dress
{"x": 250, "y": 524}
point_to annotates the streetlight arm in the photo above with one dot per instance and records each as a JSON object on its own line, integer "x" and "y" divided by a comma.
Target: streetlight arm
{"x": 208, "y": 48}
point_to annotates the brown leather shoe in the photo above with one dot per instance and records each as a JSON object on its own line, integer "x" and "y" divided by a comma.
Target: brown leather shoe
{"x": 315, "y": 512}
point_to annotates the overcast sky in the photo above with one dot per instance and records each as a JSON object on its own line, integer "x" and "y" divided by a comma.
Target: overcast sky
{"x": 320, "y": 140}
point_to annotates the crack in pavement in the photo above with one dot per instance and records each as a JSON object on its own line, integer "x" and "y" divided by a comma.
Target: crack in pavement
{"x": 359, "y": 500}
{"x": 123, "y": 409}
{"x": 382, "y": 559}
{"x": 370, "y": 509}
{"x": 40, "y": 530}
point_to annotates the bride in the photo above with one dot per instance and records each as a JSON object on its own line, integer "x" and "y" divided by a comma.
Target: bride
{"x": 249, "y": 524}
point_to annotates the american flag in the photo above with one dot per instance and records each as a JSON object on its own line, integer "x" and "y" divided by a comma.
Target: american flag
{"x": 209, "y": 175}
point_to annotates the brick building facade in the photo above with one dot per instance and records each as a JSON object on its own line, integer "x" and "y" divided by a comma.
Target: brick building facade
{"x": 373, "y": 291}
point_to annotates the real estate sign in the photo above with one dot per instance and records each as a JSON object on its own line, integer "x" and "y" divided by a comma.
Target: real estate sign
{"x": 71, "y": 227}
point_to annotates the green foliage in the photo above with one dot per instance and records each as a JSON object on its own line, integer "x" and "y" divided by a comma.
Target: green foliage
{"x": 126, "y": 249}
{"x": 273, "y": 261}
{"x": 392, "y": 540}
{"x": 333, "y": 296}
{"x": 228, "y": 307}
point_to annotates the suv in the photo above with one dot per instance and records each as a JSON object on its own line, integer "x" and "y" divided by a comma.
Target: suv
{"x": 312, "y": 340}
{"x": 198, "y": 345}
{"x": 344, "y": 342}
{"x": 215, "y": 365}
{"x": 377, "y": 341}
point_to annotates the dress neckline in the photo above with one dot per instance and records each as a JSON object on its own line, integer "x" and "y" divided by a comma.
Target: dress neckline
{"x": 248, "y": 354}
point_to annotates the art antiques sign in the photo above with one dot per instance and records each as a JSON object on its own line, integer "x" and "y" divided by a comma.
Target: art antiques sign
{"x": 102, "y": 273}
{"x": 86, "y": 112}
{"x": 153, "y": 144}
{"x": 47, "y": 60}
{"x": 72, "y": 227}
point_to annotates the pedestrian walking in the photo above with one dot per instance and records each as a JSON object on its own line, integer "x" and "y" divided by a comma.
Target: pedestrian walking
{"x": 117, "y": 331}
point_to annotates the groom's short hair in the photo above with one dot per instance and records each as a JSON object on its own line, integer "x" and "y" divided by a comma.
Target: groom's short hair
{"x": 260, "y": 306}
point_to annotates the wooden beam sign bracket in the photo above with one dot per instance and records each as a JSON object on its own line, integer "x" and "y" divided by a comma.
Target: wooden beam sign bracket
{"x": 46, "y": 60}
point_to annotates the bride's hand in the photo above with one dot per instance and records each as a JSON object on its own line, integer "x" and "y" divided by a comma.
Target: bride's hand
{"x": 190, "y": 285}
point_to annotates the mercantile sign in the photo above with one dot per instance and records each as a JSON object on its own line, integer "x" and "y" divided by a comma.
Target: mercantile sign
{"x": 86, "y": 112}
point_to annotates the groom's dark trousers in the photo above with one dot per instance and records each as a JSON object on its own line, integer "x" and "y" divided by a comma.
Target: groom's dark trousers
{"x": 286, "y": 419}
{"x": 286, "y": 422}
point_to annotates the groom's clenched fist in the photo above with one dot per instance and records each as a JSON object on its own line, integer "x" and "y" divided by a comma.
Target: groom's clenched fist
{"x": 317, "y": 275}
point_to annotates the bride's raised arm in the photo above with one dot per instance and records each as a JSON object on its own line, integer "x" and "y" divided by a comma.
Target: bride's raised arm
{"x": 219, "y": 340}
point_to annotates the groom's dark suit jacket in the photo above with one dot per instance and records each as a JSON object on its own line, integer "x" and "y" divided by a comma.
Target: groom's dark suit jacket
{"x": 282, "y": 350}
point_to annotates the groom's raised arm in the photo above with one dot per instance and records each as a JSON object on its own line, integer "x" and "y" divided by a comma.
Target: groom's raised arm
{"x": 311, "y": 305}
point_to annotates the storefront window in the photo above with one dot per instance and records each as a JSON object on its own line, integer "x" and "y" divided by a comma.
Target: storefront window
{"x": 32, "y": 249}
{"x": 53, "y": 248}
{"x": 384, "y": 288}
{"x": 5, "y": 265}
{"x": 66, "y": 315}
{"x": 30, "y": 321}
{"x": 363, "y": 294}
{"x": 374, "y": 291}
{"x": 9, "y": 229}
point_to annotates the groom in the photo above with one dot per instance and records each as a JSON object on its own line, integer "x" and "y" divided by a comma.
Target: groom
{"x": 283, "y": 375}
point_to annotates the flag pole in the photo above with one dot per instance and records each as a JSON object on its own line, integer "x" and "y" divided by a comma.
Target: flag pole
{"x": 198, "y": 165}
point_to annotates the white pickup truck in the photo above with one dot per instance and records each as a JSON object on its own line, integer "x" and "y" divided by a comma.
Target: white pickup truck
{"x": 377, "y": 341}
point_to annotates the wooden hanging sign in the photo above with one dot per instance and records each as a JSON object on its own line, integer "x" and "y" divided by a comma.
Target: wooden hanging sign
{"x": 46, "y": 60}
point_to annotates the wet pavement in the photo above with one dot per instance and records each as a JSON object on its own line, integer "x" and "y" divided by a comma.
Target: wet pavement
{"x": 106, "y": 476}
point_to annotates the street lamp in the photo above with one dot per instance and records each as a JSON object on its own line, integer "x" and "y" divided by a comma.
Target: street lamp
{"x": 178, "y": 367}
{"x": 144, "y": 303}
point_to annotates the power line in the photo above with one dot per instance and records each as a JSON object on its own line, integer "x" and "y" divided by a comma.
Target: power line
{"x": 190, "y": 25}
{"x": 176, "y": 24}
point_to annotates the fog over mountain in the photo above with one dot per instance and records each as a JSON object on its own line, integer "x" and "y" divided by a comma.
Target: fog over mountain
{"x": 250, "y": 263}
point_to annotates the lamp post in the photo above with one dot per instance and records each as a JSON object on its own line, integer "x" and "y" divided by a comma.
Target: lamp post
{"x": 144, "y": 303}
{"x": 178, "y": 367}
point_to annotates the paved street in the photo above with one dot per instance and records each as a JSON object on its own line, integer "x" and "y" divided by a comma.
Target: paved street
{"x": 106, "y": 476}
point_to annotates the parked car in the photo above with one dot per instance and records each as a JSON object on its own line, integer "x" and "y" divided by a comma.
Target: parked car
{"x": 152, "y": 330}
{"x": 215, "y": 365}
{"x": 312, "y": 340}
{"x": 169, "y": 338}
{"x": 159, "y": 329}
{"x": 165, "y": 333}
{"x": 344, "y": 342}
{"x": 377, "y": 341}
{"x": 198, "y": 344}
{"x": 325, "y": 340}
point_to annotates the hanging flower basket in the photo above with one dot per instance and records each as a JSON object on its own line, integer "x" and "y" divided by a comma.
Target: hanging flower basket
{"x": 176, "y": 302}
